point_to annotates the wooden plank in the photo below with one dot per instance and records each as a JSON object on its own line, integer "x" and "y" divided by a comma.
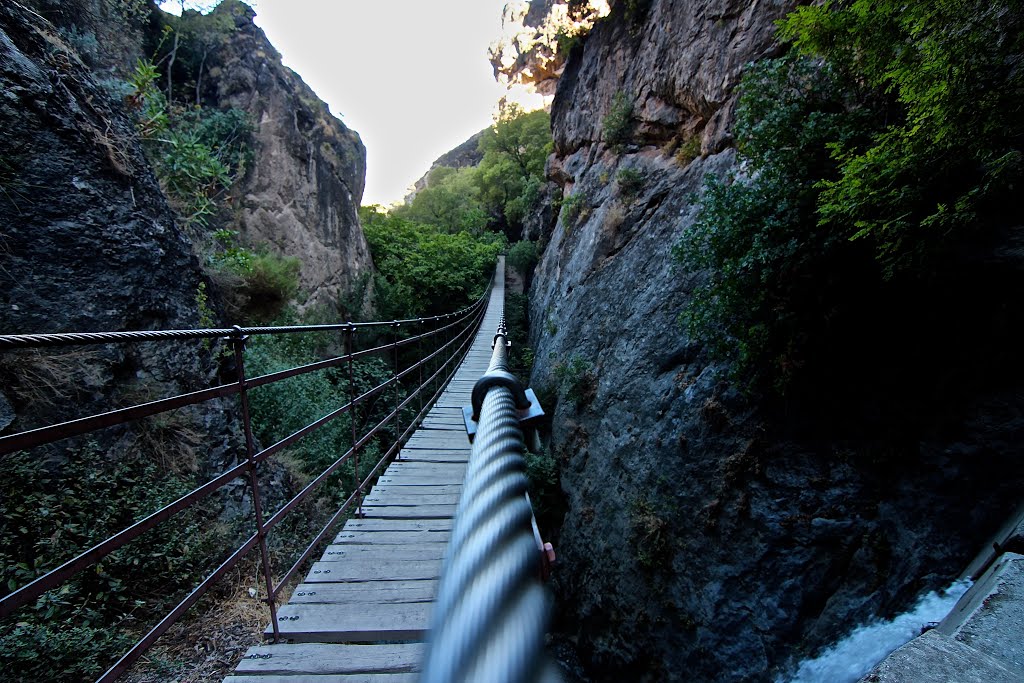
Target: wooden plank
{"x": 391, "y": 537}
{"x": 439, "y": 489}
{"x": 413, "y": 466}
{"x": 357, "y": 623}
{"x": 394, "y": 498}
{"x": 419, "y": 480}
{"x": 373, "y": 592}
{"x": 329, "y": 678}
{"x": 423, "y": 477}
{"x": 461, "y": 442}
{"x": 398, "y": 525}
{"x": 434, "y": 455}
{"x": 320, "y": 659}
{"x": 408, "y": 551}
{"x": 355, "y": 570}
{"x": 457, "y": 469}
{"x": 408, "y": 511}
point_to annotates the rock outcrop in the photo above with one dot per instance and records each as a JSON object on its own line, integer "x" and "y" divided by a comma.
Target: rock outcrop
{"x": 88, "y": 243}
{"x": 303, "y": 192}
{"x": 465, "y": 155}
{"x": 537, "y": 38}
{"x": 708, "y": 537}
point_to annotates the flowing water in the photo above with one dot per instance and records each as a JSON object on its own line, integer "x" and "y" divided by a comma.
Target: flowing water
{"x": 853, "y": 656}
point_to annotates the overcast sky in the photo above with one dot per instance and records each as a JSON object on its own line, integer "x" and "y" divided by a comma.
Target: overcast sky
{"x": 410, "y": 76}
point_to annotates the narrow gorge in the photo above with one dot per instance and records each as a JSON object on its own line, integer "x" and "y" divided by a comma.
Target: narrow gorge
{"x": 767, "y": 278}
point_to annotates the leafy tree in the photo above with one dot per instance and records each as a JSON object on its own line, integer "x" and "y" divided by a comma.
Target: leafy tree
{"x": 424, "y": 270}
{"x": 948, "y": 75}
{"x": 871, "y": 158}
{"x": 451, "y": 201}
{"x": 511, "y": 172}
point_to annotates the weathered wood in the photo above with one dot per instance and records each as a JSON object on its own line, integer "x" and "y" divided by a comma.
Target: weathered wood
{"x": 320, "y": 659}
{"x": 391, "y": 537}
{"x": 407, "y": 551}
{"x": 460, "y": 442}
{"x": 423, "y": 480}
{"x": 420, "y": 511}
{"x": 327, "y": 678}
{"x": 355, "y": 570}
{"x": 413, "y": 466}
{"x": 398, "y": 489}
{"x": 394, "y": 498}
{"x": 372, "y": 592}
{"x": 356, "y": 623}
{"x": 435, "y": 455}
{"x": 398, "y": 525}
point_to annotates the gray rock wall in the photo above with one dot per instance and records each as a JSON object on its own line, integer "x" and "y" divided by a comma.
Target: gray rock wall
{"x": 302, "y": 194}
{"x": 709, "y": 537}
{"x": 88, "y": 243}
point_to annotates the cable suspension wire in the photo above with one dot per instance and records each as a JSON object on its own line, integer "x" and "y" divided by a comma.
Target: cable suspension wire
{"x": 491, "y": 612}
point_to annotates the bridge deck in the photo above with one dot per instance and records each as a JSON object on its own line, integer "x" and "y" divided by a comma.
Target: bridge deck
{"x": 363, "y": 609}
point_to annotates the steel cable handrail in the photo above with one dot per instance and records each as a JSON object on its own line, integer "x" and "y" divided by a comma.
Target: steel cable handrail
{"x": 26, "y": 341}
{"x": 467, "y": 319}
{"x": 84, "y": 425}
{"x": 491, "y": 612}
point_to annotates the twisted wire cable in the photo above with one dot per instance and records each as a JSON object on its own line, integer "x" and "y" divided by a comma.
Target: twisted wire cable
{"x": 491, "y": 611}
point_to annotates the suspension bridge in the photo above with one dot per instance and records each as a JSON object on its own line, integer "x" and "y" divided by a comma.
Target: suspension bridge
{"x": 435, "y": 575}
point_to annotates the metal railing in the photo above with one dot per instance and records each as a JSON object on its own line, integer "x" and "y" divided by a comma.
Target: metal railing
{"x": 492, "y": 610}
{"x": 458, "y": 331}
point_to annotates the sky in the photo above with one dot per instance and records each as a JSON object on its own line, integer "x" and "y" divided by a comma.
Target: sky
{"x": 410, "y": 76}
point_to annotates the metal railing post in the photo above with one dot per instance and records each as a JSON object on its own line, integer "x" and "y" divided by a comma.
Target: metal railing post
{"x": 238, "y": 342}
{"x": 398, "y": 417}
{"x": 419, "y": 381}
{"x": 358, "y": 482}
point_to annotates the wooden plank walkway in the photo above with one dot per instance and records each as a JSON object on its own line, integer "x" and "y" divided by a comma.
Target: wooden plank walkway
{"x": 361, "y": 614}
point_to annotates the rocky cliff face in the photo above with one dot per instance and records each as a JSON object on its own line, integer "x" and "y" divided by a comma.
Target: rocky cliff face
{"x": 303, "y": 192}
{"x": 88, "y": 243}
{"x": 709, "y": 537}
{"x": 537, "y": 38}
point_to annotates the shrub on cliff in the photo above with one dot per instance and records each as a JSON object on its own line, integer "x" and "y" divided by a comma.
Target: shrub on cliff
{"x": 947, "y": 75}
{"x": 870, "y": 159}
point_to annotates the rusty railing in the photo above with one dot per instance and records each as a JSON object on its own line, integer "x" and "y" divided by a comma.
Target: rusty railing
{"x": 453, "y": 333}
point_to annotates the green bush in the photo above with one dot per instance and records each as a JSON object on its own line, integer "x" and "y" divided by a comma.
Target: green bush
{"x": 573, "y": 208}
{"x": 259, "y": 283}
{"x": 523, "y": 257}
{"x": 544, "y": 482}
{"x": 947, "y": 161}
{"x": 52, "y": 509}
{"x": 282, "y": 408}
{"x": 501, "y": 191}
{"x": 874, "y": 158}
{"x": 38, "y": 653}
{"x": 630, "y": 183}
{"x": 576, "y": 380}
{"x": 617, "y": 124}
{"x": 424, "y": 270}
{"x": 195, "y": 153}
{"x": 521, "y": 355}
{"x": 756, "y": 235}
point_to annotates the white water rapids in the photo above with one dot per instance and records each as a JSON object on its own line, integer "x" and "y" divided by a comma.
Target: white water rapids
{"x": 853, "y": 656}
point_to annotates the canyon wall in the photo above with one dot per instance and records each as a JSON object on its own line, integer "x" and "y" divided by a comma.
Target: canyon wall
{"x": 708, "y": 535}
{"x": 302, "y": 194}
